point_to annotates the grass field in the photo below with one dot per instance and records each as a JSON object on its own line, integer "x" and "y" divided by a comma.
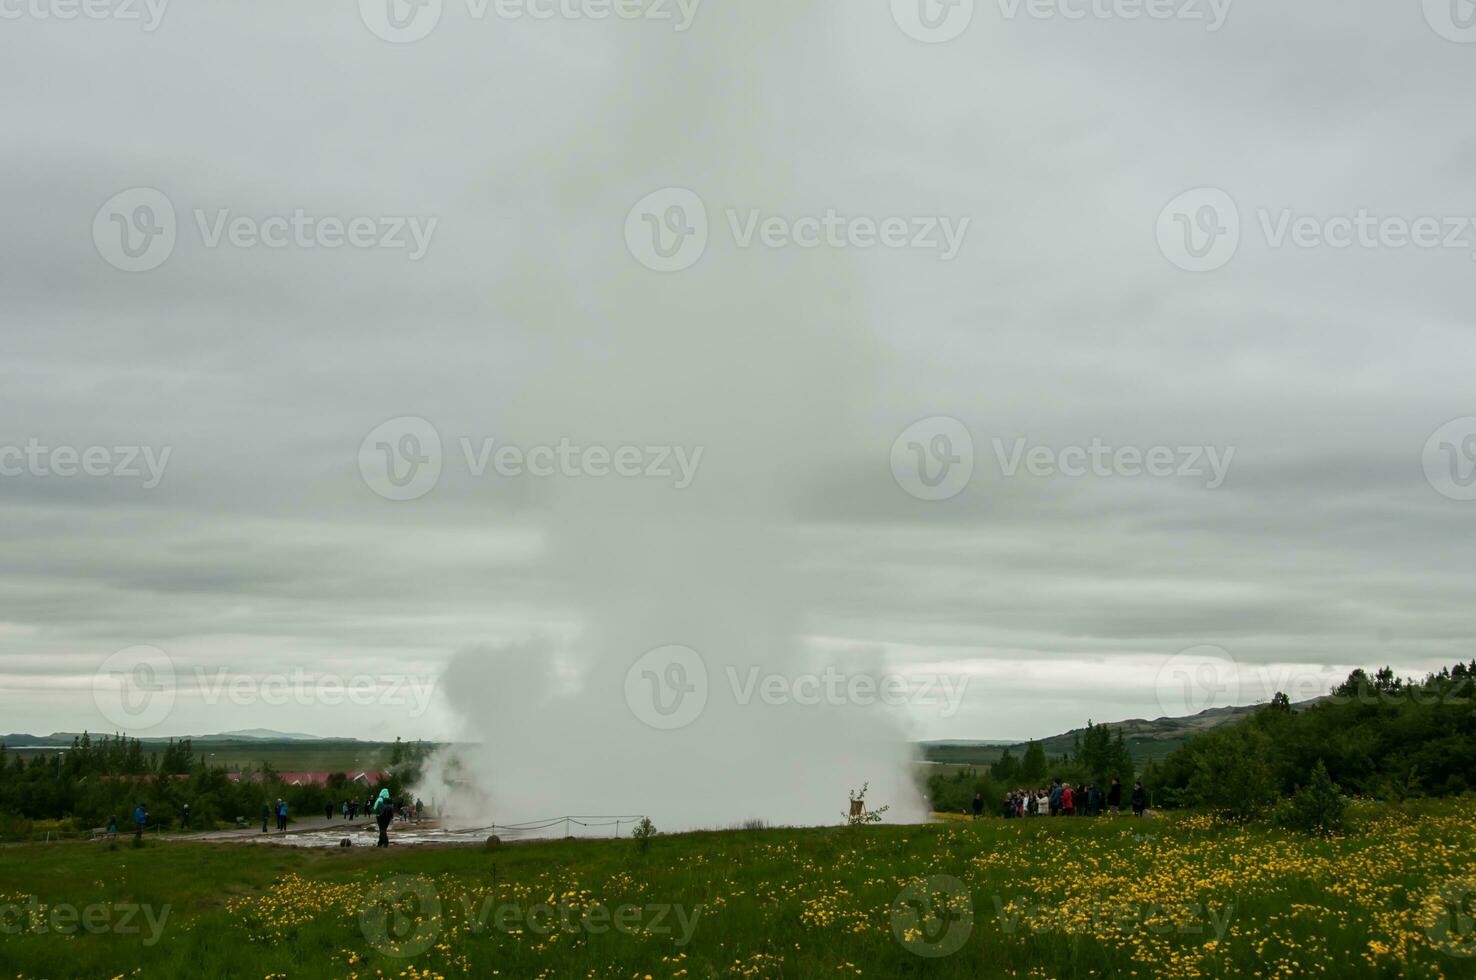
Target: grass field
{"x": 331, "y": 755}
{"x": 1177, "y": 896}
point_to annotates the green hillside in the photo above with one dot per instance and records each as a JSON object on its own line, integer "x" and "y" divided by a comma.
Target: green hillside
{"x": 1147, "y": 740}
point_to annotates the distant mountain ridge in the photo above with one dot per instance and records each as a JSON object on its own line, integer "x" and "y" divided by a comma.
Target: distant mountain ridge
{"x": 269, "y": 734}
{"x": 1146, "y": 739}
{"x": 63, "y": 739}
{"x": 971, "y": 741}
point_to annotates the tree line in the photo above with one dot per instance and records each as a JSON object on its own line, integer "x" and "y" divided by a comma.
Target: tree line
{"x": 1376, "y": 736}
{"x": 106, "y": 776}
{"x": 1098, "y": 755}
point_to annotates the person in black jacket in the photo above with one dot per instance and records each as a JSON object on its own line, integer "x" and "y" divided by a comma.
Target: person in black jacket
{"x": 1114, "y": 796}
{"x": 978, "y": 805}
{"x": 1140, "y": 799}
{"x": 384, "y": 812}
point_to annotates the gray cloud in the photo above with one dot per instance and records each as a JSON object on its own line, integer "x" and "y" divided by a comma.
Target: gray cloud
{"x": 1059, "y": 322}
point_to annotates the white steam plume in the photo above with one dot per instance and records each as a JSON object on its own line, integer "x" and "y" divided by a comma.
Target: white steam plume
{"x": 759, "y": 357}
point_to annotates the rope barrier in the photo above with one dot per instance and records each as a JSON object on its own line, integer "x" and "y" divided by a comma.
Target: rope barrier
{"x": 580, "y": 820}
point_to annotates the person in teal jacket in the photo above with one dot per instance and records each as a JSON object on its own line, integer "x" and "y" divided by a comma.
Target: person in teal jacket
{"x": 384, "y": 812}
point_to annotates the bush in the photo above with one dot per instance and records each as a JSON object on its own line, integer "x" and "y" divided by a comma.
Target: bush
{"x": 1231, "y": 777}
{"x": 1316, "y": 808}
{"x": 859, "y": 815}
{"x": 643, "y": 833}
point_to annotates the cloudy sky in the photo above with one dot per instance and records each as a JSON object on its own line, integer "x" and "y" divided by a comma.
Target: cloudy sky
{"x": 1174, "y": 313}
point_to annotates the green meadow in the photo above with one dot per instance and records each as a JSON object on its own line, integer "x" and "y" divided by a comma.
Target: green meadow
{"x": 1176, "y": 896}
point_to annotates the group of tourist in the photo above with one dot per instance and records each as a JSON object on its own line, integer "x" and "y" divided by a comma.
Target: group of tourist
{"x": 277, "y": 809}
{"x": 350, "y": 809}
{"x": 382, "y": 807}
{"x": 1064, "y": 800}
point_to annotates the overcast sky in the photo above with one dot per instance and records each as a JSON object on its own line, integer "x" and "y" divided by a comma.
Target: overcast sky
{"x": 1242, "y": 234}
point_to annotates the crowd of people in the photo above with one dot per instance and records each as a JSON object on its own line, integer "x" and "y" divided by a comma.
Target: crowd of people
{"x": 1064, "y": 800}
{"x": 382, "y": 808}
{"x": 277, "y": 810}
{"x": 351, "y": 809}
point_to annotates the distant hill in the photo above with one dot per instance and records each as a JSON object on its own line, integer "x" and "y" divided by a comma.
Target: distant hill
{"x": 1152, "y": 739}
{"x": 21, "y": 738}
{"x": 1146, "y": 739}
{"x": 971, "y": 741}
{"x": 268, "y": 735}
{"x": 64, "y": 739}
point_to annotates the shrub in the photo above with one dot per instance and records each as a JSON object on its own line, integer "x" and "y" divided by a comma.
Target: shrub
{"x": 860, "y": 816}
{"x": 643, "y": 833}
{"x": 1316, "y": 808}
{"x": 1231, "y": 777}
